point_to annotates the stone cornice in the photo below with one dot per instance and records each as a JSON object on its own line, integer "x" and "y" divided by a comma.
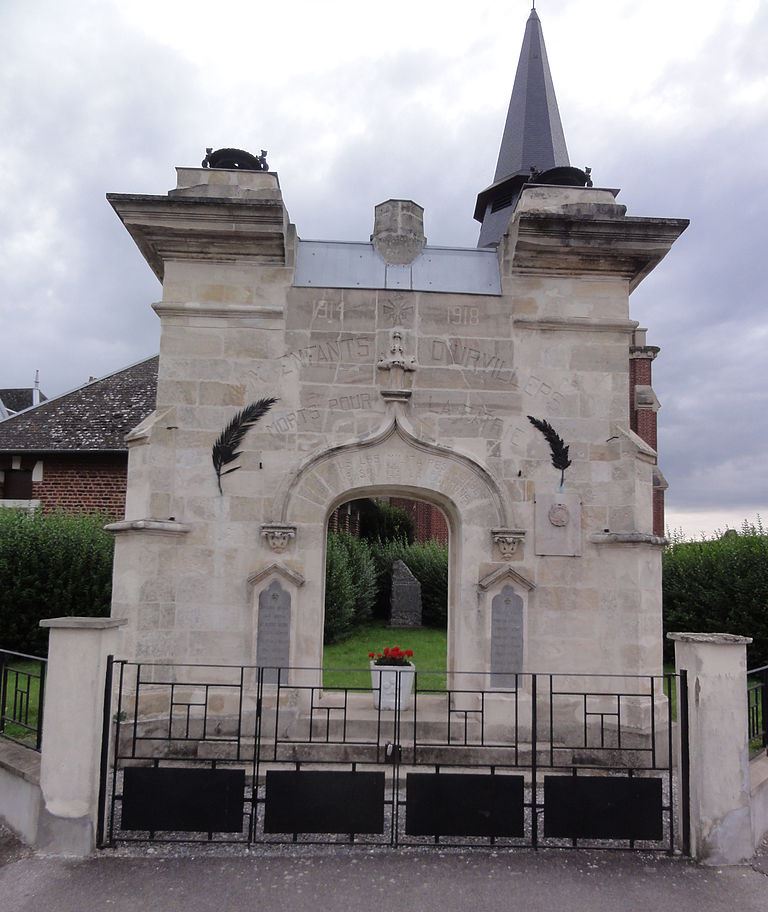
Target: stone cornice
{"x": 252, "y": 231}
{"x": 644, "y": 352}
{"x": 195, "y": 309}
{"x": 149, "y": 527}
{"x": 83, "y": 623}
{"x": 711, "y": 639}
{"x": 559, "y": 244}
{"x": 627, "y": 538}
{"x": 643, "y": 451}
{"x": 575, "y": 324}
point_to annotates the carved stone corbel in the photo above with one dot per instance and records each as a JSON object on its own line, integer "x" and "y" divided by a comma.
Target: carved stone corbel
{"x": 507, "y": 540}
{"x": 278, "y": 536}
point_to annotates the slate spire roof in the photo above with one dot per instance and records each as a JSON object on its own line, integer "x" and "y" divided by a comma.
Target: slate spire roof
{"x": 533, "y": 136}
{"x": 17, "y": 399}
{"x": 533, "y": 133}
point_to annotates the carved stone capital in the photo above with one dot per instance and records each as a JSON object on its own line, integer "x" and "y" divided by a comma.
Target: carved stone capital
{"x": 278, "y": 536}
{"x": 507, "y": 540}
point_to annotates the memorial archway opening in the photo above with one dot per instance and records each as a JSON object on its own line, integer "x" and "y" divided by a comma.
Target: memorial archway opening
{"x": 387, "y": 583}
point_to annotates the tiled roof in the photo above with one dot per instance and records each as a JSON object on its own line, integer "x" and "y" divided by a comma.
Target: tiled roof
{"x": 17, "y": 399}
{"x": 96, "y": 416}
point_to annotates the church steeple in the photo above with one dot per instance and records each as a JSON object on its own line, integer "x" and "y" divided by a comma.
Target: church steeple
{"x": 533, "y": 135}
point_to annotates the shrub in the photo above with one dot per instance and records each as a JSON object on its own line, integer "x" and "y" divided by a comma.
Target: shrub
{"x": 339, "y": 591}
{"x": 428, "y": 561}
{"x": 720, "y": 585}
{"x": 382, "y": 521}
{"x": 51, "y": 565}
{"x": 362, "y": 571}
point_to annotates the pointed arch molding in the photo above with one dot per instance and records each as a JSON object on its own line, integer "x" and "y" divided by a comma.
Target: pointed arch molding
{"x": 276, "y": 569}
{"x": 503, "y": 574}
{"x": 392, "y": 460}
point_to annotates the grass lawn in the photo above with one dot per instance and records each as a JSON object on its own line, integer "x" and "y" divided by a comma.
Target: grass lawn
{"x": 341, "y": 661}
{"x": 21, "y": 676}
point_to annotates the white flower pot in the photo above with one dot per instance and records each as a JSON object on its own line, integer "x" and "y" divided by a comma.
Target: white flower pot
{"x": 386, "y": 689}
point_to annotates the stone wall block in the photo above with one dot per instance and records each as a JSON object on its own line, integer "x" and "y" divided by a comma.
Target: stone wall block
{"x": 73, "y": 714}
{"x": 716, "y": 665}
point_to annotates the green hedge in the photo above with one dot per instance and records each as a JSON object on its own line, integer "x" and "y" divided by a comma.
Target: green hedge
{"x": 428, "y": 562}
{"x": 51, "y": 565}
{"x": 720, "y": 585}
{"x": 350, "y": 585}
{"x": 358, "y": 581}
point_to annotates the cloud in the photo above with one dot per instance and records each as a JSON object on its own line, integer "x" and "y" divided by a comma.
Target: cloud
{"x": 356, "y": 107}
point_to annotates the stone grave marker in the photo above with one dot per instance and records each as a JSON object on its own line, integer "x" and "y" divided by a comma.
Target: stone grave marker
{"x": 506, "y": 637}
{"x": 273, "y": 636}
{"x": 405, "y": 599}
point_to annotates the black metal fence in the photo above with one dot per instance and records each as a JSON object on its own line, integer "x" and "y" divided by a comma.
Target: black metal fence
{"x": 22, "y": 689}
{"x": 226, "y": 754}
{"x": 757, "y": 709}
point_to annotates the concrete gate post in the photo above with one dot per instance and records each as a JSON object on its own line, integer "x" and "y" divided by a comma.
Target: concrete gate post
{"x": 72, "y": 726}
{"x": 716, "y": 663}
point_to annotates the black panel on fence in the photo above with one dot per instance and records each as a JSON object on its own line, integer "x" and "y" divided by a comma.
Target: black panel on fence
{"x": 603, "y": 807}
{"x": 458, "y": 804}
{"x": 324, "y": 802}
{"x": 183, "y": 800}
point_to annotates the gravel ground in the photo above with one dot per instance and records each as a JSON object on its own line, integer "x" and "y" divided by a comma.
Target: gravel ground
{"x": 303, "y": 879}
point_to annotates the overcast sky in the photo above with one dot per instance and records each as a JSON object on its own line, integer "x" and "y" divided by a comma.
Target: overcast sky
{"x": 360, "y": 102}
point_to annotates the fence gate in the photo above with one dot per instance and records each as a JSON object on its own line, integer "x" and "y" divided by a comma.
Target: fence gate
{"x": 225, "y": 754}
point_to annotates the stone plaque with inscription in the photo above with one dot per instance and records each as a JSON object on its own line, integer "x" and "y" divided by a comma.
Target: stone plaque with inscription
{"x": 273, "y": 635}
{"x": 506, "y": 637}
{"x": 405, "y": 601}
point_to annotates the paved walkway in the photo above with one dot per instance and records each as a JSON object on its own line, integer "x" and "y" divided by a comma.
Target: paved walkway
{"x": 357, "y": 881}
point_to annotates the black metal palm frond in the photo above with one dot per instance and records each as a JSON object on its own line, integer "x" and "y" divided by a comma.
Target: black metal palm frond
{"x": 556, "y": 443}
{"x": 225, "y": 450}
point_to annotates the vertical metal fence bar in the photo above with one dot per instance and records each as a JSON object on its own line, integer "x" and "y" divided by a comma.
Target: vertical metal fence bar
{"x": 671, "y": 682}
{"x": 277, "y": 711}
{"x": 256, "y": 759}
{"x": 685, "y": 770}
{"x": 136, "y": 711}
{"x": 551, "y": 717}
{"x": 764, "y": 707}
{"x": 534, "y": 785}
{"x": 3, "y": 689}
{"x": 40, "y": 706}
{"x": 415, "y": 711}
{"x": 240, "y": 711}
{"x": 106, "y": 728}
{"x": 517, "y": 719}
{"x": 116, "y": 755}
{"x": 653, "y": 719}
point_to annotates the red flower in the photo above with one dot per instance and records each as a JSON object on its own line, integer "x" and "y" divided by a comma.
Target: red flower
{"x": 392, "y": 655}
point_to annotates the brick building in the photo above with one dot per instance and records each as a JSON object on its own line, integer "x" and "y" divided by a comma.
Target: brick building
{"x": 69, "y": 452}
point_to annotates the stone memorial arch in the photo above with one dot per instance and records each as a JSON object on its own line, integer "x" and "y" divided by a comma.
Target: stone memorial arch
{"x": 505, "y": 383}
{"x": 394, "y": 461}
{"x": 397, "y": 369}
